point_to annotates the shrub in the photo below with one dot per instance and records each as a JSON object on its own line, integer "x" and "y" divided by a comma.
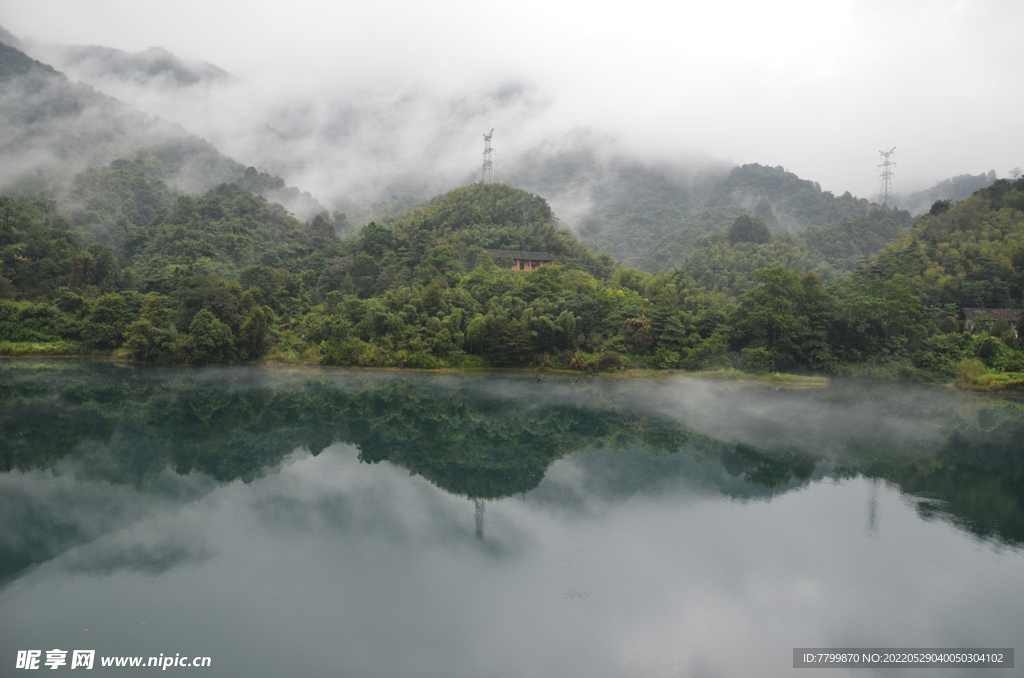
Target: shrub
{"x": 666, "y": 359}
{"x": 709, "y": 352}
{"x": 610, "y": 360}
{"x": 944, "y": 352}
{"x": 970, "y": 370}
{"x": 757, "y": 359}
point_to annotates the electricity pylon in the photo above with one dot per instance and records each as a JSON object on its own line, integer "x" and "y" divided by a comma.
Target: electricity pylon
{"x": 885, "y": 191}
{"x": 487, "y": 174}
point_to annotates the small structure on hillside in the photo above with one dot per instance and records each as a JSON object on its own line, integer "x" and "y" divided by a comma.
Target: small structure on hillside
{"x": 979, "y": 319}
{"x": 523, "y": 260}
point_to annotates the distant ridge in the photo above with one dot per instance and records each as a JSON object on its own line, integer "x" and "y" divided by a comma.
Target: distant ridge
{"x": 153, "y": 64}
{"x": 954, "y": 188}
{"x": 14, "y": 63}
{"x": 52, "y": 129}
{"x": 8, "y": 38}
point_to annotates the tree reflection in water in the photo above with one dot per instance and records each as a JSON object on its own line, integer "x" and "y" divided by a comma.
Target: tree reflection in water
{"x": 486, "y": 437}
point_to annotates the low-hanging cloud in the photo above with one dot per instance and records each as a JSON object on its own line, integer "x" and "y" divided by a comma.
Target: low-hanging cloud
{"x": 815, "y": 88}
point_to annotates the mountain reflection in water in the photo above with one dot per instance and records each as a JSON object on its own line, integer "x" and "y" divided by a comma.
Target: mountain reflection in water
{"x": 487, "y": 437}
{"x": 107, "y": 468}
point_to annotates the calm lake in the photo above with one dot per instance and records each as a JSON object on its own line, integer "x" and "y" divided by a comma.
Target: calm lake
{"x": 306, "y": 522}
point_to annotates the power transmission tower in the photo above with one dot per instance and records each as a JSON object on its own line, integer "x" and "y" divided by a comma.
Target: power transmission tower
{"x": 486, "y": 175}
{"x": 885, "y": 192}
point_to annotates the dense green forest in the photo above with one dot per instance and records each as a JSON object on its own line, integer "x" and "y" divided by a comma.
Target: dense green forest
{"x": 654, "y": 216}
{"x": 139, "y": 269}
{"x": 727, "y": 261}
{"x": 651, "y": 222}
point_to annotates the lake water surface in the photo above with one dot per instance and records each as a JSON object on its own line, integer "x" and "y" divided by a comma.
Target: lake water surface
{"x": 307, "y": 522}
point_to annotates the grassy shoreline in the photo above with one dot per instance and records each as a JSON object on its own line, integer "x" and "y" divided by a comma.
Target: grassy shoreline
{"x": 776, "y": 380}
{"x": 976, "y": 380}
{"x": 63, "y": 350}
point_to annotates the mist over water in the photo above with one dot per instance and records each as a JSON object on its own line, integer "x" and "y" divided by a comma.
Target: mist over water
{"x": 326, "y": 521}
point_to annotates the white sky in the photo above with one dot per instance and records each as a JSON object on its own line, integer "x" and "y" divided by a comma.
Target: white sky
{"x": 818, "y": 87}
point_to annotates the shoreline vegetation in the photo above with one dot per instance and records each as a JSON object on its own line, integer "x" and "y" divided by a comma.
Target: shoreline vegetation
{"x": 982, "y": 383}
{"x": 134, "y": 270}
{"x": 1005, "y": 385}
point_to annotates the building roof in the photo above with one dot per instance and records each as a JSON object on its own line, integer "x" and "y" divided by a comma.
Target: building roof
{"x": 521, "y": 254}
{"x": 1008, "y": 314}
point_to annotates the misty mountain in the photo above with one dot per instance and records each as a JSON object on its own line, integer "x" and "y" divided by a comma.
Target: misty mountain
{"x": 364, "y": 159}
{"x": 667, "y": 215}
{"x": 52, "y": 129}
{"x": 804, "y": 229}
{"x": 109, "y": 205}
{"x": 657, "y": 216}
{"x": 615, "y": 201}
{"x": 88, "y": 63}
{"x": 954, "y": 188}
{"x": 381, "y": 151}
{"x": 8, "y": 38}
{"x": 787, "y": 202}
{"x": 92, "y": 63}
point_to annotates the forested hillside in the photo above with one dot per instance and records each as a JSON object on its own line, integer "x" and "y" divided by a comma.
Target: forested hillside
{"x": 152, "y": 245}
{"x": 655, "y": 218}
{"x": 726, "y": 262}
{"x": 967, "y": 254}
{"x": 228, "y": 276}
{"x": 191, "y": 258}
{"x": 615, "y": 202}
{"x": 784, "y": 200}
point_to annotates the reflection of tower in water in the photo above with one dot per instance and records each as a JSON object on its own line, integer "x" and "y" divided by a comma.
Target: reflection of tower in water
{"x": 479, "y": 518}
{"x": 873, "y": 508}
